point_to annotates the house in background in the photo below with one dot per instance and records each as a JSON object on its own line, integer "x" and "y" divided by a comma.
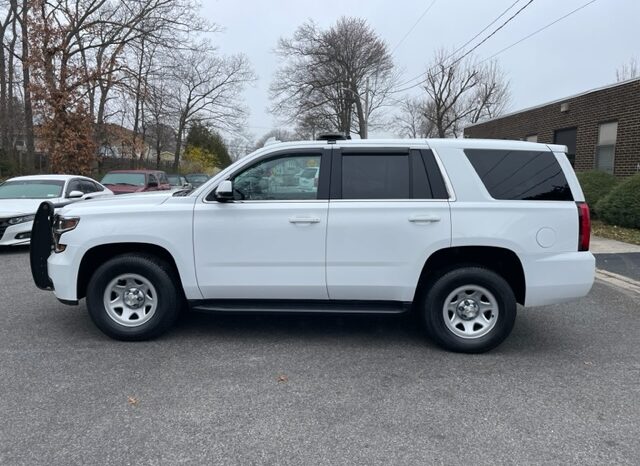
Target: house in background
{"x": 600, "y": 127}
{"x": 119, "y": 142}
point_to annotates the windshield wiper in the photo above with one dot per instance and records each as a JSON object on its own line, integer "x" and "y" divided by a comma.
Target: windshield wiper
{"x": 183, "y": 192}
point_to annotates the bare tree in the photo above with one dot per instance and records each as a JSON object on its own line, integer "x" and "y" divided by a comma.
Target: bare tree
{"x": 207, "y": 88}
{"x": 628, "y": 70}
{"x": 278, "y": 134}
{"x": 160, "y": 131}
{"x": 462, "y": 91}
{"x": 492, "y": 95}
{"x": 341, "y": 75}
{"x": 411, "y": 121}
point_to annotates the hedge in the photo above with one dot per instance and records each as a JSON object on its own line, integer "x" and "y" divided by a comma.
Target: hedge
{"x": 622, "y": 205}
{"x": 596, "y": 184}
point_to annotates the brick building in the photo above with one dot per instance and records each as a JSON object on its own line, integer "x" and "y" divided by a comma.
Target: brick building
{"x": 600, "y": 127}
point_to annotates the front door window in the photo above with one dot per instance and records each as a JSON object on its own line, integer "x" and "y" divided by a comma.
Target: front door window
{"x": 287, "y": 178}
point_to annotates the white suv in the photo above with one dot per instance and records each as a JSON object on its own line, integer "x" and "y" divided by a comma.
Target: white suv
{"x": 457, "y": 231}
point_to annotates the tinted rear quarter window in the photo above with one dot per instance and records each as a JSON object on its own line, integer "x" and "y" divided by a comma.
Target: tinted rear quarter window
{"x": 520, "y": 175}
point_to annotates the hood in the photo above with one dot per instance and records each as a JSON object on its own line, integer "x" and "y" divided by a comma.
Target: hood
{"x": 124, "y": 188}
{"x": 116, "y": 203}
{"x": 15, "y": 207}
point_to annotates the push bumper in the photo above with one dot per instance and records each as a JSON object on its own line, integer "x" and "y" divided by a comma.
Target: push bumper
{"x": 41, "y": 245}
{"x": 559, "y": 278}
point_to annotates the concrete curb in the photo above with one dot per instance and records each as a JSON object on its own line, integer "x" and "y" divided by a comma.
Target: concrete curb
{"x": 619, "y": 281}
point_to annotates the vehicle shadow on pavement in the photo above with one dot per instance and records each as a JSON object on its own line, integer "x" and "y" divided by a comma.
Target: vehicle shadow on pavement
{"x": 13, "y": 250}
{"x": 403, "y": 327}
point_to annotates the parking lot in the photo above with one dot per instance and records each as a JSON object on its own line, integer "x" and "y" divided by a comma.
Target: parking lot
{"x": 564, "y": 388}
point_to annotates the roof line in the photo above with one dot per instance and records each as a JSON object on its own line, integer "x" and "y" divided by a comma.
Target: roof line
{"x": 535, "y": 107}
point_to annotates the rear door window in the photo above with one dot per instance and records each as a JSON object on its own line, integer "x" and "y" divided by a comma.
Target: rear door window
{"x": 520, "y": 175}
{"x": 375, "y": 176}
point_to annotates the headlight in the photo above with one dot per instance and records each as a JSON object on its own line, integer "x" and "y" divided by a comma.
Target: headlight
{"x": 60, "y": 226}
{"x": 23, "y": 219}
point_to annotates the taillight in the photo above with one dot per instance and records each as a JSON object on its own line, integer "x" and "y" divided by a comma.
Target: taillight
{"x": 584, "y": 226}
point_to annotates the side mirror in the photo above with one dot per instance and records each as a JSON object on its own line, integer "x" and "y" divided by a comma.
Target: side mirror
{"x": 152, "y": 184}
{"x": 224, "y": 191}
{"x": 75, "y": 195}
{"x": 187, "y": 186}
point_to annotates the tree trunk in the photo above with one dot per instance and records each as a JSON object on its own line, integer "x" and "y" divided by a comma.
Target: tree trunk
{"x": 4, "y": 111}
{"x": 26, "y": 83}
{"x": 179, "y": 135}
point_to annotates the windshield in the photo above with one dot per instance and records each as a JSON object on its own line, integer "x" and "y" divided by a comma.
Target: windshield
{"x": 309, "y": 173}
{"x": 174, "y": 180}
{"x": 31, "y": 189}
{"x": 133, "y": 179}
{"x": 196, "y": 178}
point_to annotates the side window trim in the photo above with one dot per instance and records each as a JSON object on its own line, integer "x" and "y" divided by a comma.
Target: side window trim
{"x": 436, "y": 180}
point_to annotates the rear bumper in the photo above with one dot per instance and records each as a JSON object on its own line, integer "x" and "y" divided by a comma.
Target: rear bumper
{"x": 559, "y": 278}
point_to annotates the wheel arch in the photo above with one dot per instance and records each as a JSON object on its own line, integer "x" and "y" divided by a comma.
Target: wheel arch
{"x": 97, "y": 255}
{"x": 502, "y": 261}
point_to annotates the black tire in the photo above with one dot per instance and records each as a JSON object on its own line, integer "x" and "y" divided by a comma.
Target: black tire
{"x": 432, "y": 302}
{"x": 168, "y": 295}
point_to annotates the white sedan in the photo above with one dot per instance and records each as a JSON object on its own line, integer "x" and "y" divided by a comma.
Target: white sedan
{"x": 21, "y": 196}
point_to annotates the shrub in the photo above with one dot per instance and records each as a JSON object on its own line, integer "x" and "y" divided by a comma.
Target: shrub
{"x": 622, "y": 205}
{"x": 596, "y": 184}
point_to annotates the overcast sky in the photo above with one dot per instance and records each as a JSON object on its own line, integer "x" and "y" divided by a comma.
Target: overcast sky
{"x": 579, "y": 53}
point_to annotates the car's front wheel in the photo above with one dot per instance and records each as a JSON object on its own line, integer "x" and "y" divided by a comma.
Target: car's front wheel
{"x": 469, "y": 310}
{"x": 133, "y": 297}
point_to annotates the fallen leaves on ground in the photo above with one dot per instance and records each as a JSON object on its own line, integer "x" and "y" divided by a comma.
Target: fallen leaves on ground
{"x": 132, "y": 400}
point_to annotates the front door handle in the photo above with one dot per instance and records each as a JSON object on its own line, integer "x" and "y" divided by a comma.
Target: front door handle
{"x": 424, "y": 219}
{"x": 304, "y": 220}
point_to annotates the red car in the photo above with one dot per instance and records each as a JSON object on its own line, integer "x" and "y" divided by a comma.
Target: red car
{"x": 136, "y": 181}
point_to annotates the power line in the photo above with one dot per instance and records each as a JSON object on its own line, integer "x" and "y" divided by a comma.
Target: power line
{"x": 467, "y": 43}
{"x": 414, "y": 26}
{"x": 493, "y": 33}
{"x": 512, "y": 45}
{"x": 485, "y": 28}
{"x": 538, "y": 31}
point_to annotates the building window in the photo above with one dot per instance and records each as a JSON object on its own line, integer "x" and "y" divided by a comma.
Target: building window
{"x": 606, "y": 148}
{"x": 567, "y": 137}
{"x": 532, "y": 138}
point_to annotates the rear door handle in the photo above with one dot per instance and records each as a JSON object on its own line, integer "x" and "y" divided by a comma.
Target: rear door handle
{"x": 424, "y": 218}
{"x": 304, "y": 220}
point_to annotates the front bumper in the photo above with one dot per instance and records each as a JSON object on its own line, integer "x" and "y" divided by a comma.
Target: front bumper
{"x": 13, "y": 235}
{"x": 63, "y": 273}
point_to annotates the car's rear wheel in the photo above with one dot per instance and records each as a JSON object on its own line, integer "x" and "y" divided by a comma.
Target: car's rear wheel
{"x": 133, "y": 297}
{"x": 469, "y": 310}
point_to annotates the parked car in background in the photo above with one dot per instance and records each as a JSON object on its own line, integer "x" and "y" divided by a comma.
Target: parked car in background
{"x": 21, "y": 196}
{"x": 197, "y": 179}
{"x": 136, "y": 181}
{"x": 308, "y": 178}
{"x": 177, "y": 180}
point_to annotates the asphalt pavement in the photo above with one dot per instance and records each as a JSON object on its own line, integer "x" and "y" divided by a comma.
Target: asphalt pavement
{"x": 563, "y": 389}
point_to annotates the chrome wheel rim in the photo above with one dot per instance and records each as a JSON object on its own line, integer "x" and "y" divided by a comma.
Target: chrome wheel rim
{"x": 130, "y": 300}
{"x": 470, "y": 311}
